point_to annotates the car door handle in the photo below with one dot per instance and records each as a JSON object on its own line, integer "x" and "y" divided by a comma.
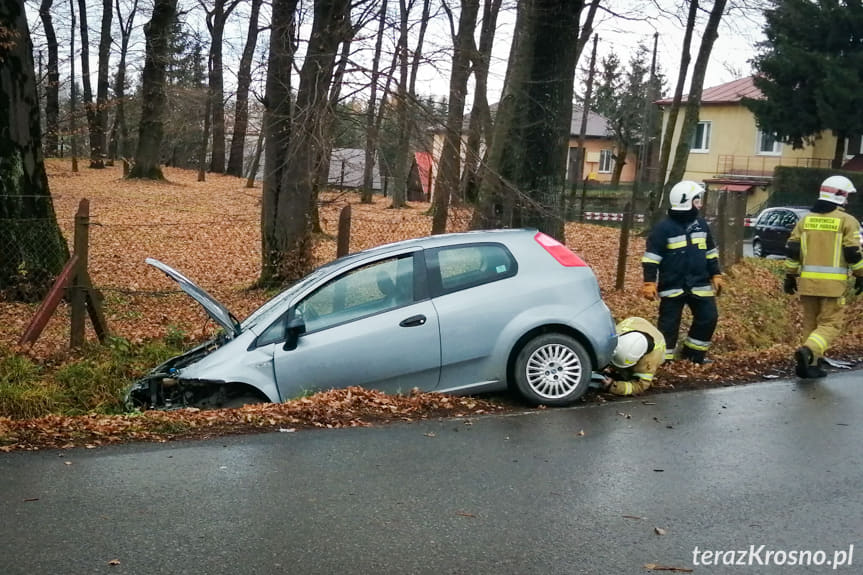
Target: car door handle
{"x": 413, "y": 321}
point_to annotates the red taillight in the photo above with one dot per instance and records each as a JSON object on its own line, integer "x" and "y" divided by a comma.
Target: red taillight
{"x": 563, "y": 255}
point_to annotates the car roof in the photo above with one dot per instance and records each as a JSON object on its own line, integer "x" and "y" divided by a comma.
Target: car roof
{"x": 799, "y": 210}
{"x": 455, "y": 238}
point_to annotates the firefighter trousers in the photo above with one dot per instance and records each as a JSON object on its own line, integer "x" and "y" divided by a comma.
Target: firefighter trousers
{"x": 704, "y": 318}
{"x": 823, "y": 318}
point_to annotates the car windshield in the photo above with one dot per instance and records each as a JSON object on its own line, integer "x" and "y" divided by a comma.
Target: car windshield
{"x": 275, "y": 302}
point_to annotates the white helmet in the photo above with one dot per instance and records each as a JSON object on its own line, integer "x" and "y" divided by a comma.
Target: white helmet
{"x": 682, "y": 195}
{"x": 836, "y": 189}
{"x": 631, "y": 346}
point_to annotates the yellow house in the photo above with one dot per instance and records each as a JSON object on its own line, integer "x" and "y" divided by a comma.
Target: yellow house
{"x": 729, "y": 152}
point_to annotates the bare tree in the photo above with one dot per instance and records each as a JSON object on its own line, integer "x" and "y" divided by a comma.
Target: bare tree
{"x": 216, "y": 19}
{"x": 525, "y": 182}
{"x": 277, "y": 127}
{"x": 674, "y": 111}
{"x": 244, "y": 80}
{"x": 371, "y": 125}
{"x": 696, "y": 87}
{"x": 406, "y": 97}
{"x": 52, "y": 90}
{"x": 34, "y": 250}
{"x": 287, "y": 229}
{"x": 119, "y": 144}
{"x": 480, "y": 125}
{"x": 450, "y": 163}
{"x": 100, "y": 115}
{"x": 86, "y": 86}
{"x": 73, "y": 92}
{"x": 154, "y": 97}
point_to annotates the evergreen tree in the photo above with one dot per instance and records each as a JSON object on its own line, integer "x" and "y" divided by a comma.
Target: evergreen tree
{"x": 810, "y": 72}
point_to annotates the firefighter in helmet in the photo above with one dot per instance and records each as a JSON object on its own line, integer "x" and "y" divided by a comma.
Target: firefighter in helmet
{"x": 681, "y": 267}
{"x": 639, "y": 352}
{"x": 822, "y": 248}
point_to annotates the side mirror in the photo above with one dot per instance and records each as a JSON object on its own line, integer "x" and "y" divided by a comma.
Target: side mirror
{"x": 293, "y": 329}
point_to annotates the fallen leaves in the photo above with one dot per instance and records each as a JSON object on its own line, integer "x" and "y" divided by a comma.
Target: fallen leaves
{"x": 338, "y": 408}
{"x": 657, "y": 567}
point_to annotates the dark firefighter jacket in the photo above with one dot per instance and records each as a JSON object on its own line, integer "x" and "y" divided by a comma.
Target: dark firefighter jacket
{"x": 683, "y": 255}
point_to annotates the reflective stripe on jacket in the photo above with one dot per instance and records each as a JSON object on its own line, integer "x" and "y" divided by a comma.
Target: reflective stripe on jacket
{"x": 682, "y": 257}
{"x": 822, "y": 240}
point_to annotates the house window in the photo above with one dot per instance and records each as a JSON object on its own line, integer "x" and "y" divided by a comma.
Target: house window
{"x": 606, "y": 161}
{"x": 768, "y": 145}
{"x": 701, "y": 138}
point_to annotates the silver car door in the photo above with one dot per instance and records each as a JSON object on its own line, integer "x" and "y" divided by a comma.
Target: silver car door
{"x": 364, "y": 328}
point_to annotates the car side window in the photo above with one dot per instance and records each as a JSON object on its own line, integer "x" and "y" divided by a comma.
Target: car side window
{"x": 768, "y": 219}
{"x": 461, "y": 267}
{"x": 373, "y": 288}
{"x": 789, "y": 219}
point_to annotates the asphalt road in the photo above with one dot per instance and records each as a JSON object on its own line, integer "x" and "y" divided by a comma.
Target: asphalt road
{"x": 594, "y": 490}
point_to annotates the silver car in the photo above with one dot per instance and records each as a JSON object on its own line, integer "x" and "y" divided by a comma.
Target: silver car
{"x": 454, "y": 313}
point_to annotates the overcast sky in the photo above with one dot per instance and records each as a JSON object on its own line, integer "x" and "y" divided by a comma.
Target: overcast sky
{"x": 621, "y": 26}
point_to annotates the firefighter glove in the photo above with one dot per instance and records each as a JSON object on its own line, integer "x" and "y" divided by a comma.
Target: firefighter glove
{"x": 858, "y": 285}
{"x": 716, "y": 282}
{"x": 790, "y": 285}
{"x": 649, "y": 290}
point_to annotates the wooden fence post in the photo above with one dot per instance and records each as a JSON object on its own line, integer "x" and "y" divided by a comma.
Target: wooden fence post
{"x": 343, "y": 242}
{"x": 78, "y": 294}
{"x": 722, "y": 228}
{"x": 623, "y": 246}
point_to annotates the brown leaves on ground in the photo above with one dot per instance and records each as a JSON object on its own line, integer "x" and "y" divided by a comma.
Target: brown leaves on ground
{"x": 349, "y": 407}
{"x": 210, "y": 231}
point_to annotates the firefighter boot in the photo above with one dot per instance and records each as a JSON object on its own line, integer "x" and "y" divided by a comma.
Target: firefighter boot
{"x": 804, "y": 368}
{"x": 695, "y": 355}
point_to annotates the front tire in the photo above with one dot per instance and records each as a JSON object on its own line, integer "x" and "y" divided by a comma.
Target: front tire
{"x": 552, "y": 369}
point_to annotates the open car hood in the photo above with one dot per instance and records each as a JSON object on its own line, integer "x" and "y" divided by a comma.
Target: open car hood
{"x": 214, "y": 309}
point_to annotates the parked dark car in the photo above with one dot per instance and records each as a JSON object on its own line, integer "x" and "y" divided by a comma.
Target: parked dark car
{"x": 772, "y": 228}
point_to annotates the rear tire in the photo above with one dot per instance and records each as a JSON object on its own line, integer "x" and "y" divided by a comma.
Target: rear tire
{"x": 758, "y": 249}
{"x": 552, "y": 369}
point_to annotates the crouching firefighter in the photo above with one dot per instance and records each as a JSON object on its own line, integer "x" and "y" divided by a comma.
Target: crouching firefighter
{"x": 639, "y": 353}
{"x": 681, "y": 266}
{"x": 822, "y": 248}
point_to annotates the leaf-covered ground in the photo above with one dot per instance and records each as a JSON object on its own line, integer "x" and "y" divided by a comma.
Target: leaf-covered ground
{"x": 210, "y": 231}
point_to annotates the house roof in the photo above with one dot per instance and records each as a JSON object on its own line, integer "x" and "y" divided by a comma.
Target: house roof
{"x": 597, "y": 126}
{"x": 347, "y": 166}
{"x": 728, "y": 93}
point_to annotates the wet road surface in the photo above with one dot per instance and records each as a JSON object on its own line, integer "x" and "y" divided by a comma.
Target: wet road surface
{"x": 595, "y": 489}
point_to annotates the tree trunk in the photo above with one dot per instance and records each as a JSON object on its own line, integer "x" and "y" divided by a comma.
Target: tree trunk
{"x": 73, "y": 93}
{"x": 449, "y": 170}
{"x": 216, "y": 19}
{"x": 256, "y": 160}
{"x": 371, "y": 132}
{"x": 86, "y": 86}
{"x": 52, "y": 90}
{"x": 674, "y": 111}
{"x": 153, "y": 94}
{"x": 480, "y": 126}
{"x": 244, "y": 80}
{"x": 619, "y": 162}
{"x": 277, "y": 126}
{"x": 531, "y": 133}
{"x": 100, "y": 116}
{"x": 119, "y": 146}
{"x": 696, "y": 87}
{"x": 33, "y": 250}
{"x": 287, "y": 227}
